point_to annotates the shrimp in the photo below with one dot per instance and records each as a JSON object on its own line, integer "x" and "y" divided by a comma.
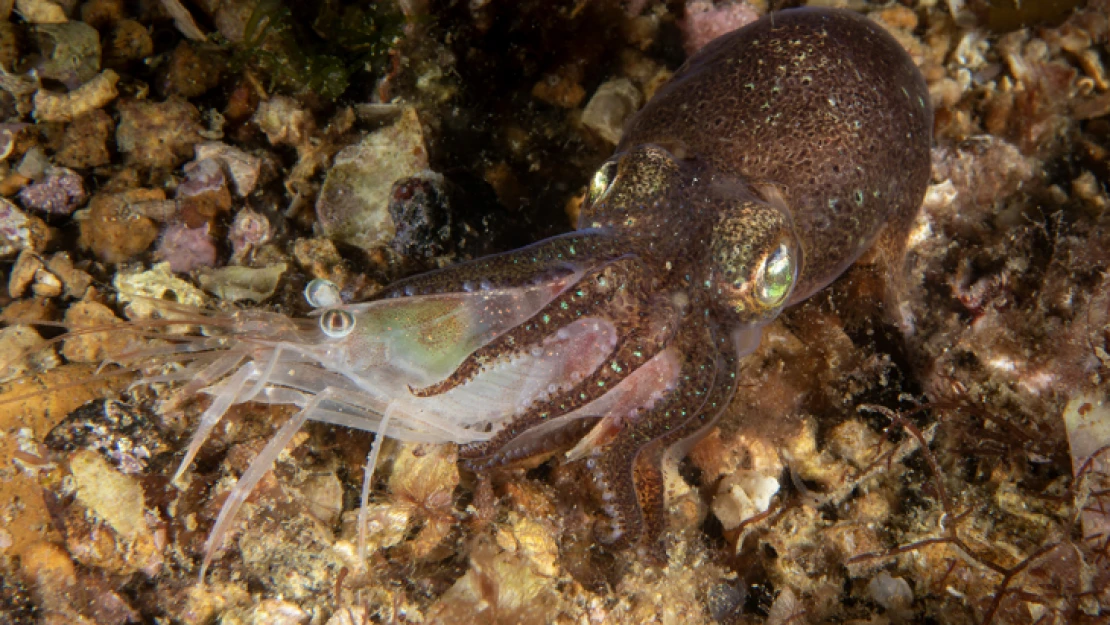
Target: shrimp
{"x": 355, "y": 365}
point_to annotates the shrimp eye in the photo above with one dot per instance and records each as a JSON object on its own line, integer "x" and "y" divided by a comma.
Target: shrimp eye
{"x": 602, "y": 180}
{"x": 320, "y": 293}
{"x": 337, "y": 323}
{"x": 776, "y": 277}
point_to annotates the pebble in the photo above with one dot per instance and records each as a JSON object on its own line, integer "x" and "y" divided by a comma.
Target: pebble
{"x": 59, "y": 192}
{"x": 85, "y": 143}
{"x": 112, "y": 230}
{"x": 70, "y": 52}
{"x": 19, "y": 231}
{"x": 204, "y": 193}
{"x": 353, "y": 205}
{"x": 158, "y": 134}
{"x": 611, "y": 106}
{"x": 187, "y": 249}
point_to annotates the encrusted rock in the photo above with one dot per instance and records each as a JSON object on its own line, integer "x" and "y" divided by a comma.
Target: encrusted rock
{"x": 705, "y": 20}
{"x": 204, "y": 193}
{"x": 249, "y": 230}
{"x": 94, "y": 347}
{"x": 127, "y": 438}
{"x": 141, "y": 290}
{"x": 59, "y": 192}
{"x": 243, "y": 168}
{"x": 128, "y": 41}
{"x": 85, "y": 143}
{"x": 19, "y": 231}
{"x": 107, "y": 527}
{"x": 191, "y": 72}
{"x": 185, "y": 248}
{"x": 158, "y": 134}
{"x": 113, "y": 230}
{"x": 70, "y": 51}
{"x": 353, "y": 206}
{"x": 94, "y": 94}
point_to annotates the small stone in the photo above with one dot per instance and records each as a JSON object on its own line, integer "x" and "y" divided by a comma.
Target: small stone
{"x": 323, "y": 493}
{"x": 111, "y": 532}
{"x": 236, "y": 283}
{"x": 85, "y": 143}
{"x": 50, "y": 571}
{"x": 9, "y": 45}
{"x": 284, "y": 121}
{"x": 40, "y": 11}
{"x": 112, "y": 230}
{"x": 125, "y": 437}
{"x": 353, "y": 205}
{"x": 129, "y": 41}
{"x": 76, "y": 281}
{"x": 243, "y": 168}
{"x": 59, "y": 192}
{"x": 277, "y": 612}
{"x": 743, "y": 495}
{"x": 23, "y": 273}
{"x": 186, "y": 249}
{"x": 249, "y": 230}
{"x": 706, "y": 20}
{"x": 46, "y": 284}
{"x": 893, "y": 593}
{"x": 158, "y": 134}
{"x": 94, "y": 347}
{"x": 611, "y": 106}
{"x": 25, "y": 340}
{"x": 191, "y": 72}
{"x": 562, "y": 88}
{"x": 204, "y": 193}
{"x": 141, "y": 290}
{"x": 94, "y": 94}
{"x": 19, "y": 231}
{"x": 70, "y": 51}
{"x": 100, "y": 14}
{"x": 320, "y": 259}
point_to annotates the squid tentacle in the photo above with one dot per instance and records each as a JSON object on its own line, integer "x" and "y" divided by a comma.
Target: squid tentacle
{"x": 593, "y": 293}
{"x": 629, "y": 485}
{"x": 555, "y": 256}
{"x": 638, "y": 341}
{"x": 647, "y": 467}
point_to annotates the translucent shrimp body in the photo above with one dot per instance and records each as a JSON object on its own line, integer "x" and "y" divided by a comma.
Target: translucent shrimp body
{"x": 355, "y": 366}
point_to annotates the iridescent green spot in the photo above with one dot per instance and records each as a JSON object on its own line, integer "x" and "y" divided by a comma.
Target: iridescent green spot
{"x": 547, "y": 318}
{"x": 616, "y": 366}
{"x": 564, "y": 305}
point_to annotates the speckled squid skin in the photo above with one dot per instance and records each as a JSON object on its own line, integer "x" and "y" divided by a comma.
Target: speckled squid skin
{"x": 826, "y": 105}
{"x": 768, "y": 164}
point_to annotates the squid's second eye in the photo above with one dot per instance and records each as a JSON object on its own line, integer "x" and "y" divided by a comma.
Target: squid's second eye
{"x": 337, "y": 323}
{"x": 602, "y": 180}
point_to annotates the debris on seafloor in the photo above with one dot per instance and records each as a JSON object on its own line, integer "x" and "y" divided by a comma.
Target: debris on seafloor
{"x": 954, "y": 470}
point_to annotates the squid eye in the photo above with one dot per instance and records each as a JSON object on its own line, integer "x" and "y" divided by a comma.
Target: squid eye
{"x": 602, "y": 180}
{"x": 776, "y": 278}
{"x": 337, "y": 323}
{"x": 320, "y": 293}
